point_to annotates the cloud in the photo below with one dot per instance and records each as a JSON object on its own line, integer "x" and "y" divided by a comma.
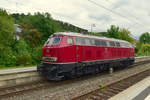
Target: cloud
{"x": 82, "y": 13}
{"x": 120, "y": 4}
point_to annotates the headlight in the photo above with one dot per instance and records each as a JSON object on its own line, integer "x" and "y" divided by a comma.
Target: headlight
{"x": 53, "y": 58}
{"x": 47, "y": 59}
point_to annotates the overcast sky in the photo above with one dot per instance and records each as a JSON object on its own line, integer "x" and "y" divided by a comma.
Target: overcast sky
{"x": 131, "y": 14}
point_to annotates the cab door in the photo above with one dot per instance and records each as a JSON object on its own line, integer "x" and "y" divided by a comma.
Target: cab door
{"x": 70, "y": 53}
{"x": 79, "y": 49}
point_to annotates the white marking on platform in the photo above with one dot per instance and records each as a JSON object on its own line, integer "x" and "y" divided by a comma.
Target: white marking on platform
{"x": 133, "y": 91}
{"x": 148, "y": 97}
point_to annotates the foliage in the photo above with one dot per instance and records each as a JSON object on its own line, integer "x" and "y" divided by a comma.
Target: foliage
{"x": 145, "y": 38}
{"x": 6, "y": 39}
{"x": 119, "y": 33}
{"x": 125, "y": 34}
{"x": 97, "y": 33}
{"x": 113, "y": 32}
{"x": 144, "y": 50}
{"x": 21, "y": 47}
{"x": 24, "y": 59}
{"x": 36, "y": 55}
{"x": 6, "y": 57}
{"x": 143, "y": 46}
{"x": 6, "y": 29}
{"x": 137, "y": 47}
{"x": 101, "y": 85}
{"x": 31, "y": 35}
{"x": 45, "y": 24}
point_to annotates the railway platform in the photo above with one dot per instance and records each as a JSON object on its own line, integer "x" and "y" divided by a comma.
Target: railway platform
{"x": 139, "y": 91}
{"x": 11, "y": 77}
{"x": 17, "y": 70}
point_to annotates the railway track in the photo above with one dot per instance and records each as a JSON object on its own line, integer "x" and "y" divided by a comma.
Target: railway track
{"x": 21, "y": 89}
{"x": 106, "y": 92}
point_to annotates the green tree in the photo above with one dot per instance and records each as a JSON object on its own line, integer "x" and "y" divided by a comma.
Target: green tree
{"x": 6, "y": 39}
{"x": 31, "y": 35}
{"x": 125, "y": 34}
{"x": 98, "y": 33}
{"x": 137, "y": 47}
{"x": 144, "y": 50}
{"x": 113, "y": 32}
{"x": 45, "y": 24}
{"x": 7, "y": 57}
{"x": 145, "y": 38}
{"x": 6, "y": 29}
{"x": 119, "y": 33}
{"x": 21, "y": 47}
{"x": 22, "y": 53}
{"x": 36, "y": 55}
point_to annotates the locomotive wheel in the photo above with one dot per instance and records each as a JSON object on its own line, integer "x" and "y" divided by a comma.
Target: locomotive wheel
{"x": 68, "y": 75}
{"x": 96, "y": 69}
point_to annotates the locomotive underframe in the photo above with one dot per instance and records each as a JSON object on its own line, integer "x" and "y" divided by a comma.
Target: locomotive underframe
{"x": 61, "y": 71}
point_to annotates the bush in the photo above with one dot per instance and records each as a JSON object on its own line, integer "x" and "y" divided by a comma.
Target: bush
{"x": 7, "y": 30}
{"x": 7, "y": 57}
{"x": 21, "y": 47}
{"x": 23, "y": 59}
{"x": 22, "y": 52}
{"x": 36, "y": 55}
{"x": 144, "y": 50}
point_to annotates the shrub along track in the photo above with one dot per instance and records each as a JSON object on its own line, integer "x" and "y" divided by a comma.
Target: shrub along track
{"x": 21, "y": 89}
{"x": 106, "y": 92}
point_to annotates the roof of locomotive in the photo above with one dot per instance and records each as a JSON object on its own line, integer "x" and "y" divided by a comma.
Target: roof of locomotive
{"x": 89, "y": 36}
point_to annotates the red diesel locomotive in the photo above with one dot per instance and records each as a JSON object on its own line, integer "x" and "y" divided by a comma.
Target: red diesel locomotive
{"x": 67, "y": 55}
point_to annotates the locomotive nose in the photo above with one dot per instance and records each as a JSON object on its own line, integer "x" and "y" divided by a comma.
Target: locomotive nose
{"x": 47, "y": 50}
{"x": 49, "y": 54}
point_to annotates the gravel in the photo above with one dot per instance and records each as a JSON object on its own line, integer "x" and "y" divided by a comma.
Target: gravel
{"x": 77, "y": 88}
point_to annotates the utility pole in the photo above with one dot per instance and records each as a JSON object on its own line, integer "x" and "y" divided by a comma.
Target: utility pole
{"x": 16, "y": 7}
{"x": 92, "y": 25}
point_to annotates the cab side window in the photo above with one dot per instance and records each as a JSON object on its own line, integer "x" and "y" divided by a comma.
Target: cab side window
{"x": 80, "y": 41}
{"x": 70, "y": 41}
{"x": 118, "y": 44}
{"x": 112, "y": 44}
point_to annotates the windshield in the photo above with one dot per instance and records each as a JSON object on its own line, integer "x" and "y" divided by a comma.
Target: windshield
{"x": 53, "y": 41}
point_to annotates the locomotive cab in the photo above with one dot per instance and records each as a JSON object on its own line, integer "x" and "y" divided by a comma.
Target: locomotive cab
{"x": 59, "y": 49}
{"x": 50, "y": 53}
{"x": 58, "y": 53}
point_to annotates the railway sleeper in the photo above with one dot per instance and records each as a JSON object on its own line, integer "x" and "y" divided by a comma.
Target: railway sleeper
{"x": 122, "y": 86}
{"x": 107, "y": 93}
{"x": 95, "y": 97}
{"x": 102, "y": 96}
{"x": 112, "y": 91}
{"x": 116, "y": 89}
